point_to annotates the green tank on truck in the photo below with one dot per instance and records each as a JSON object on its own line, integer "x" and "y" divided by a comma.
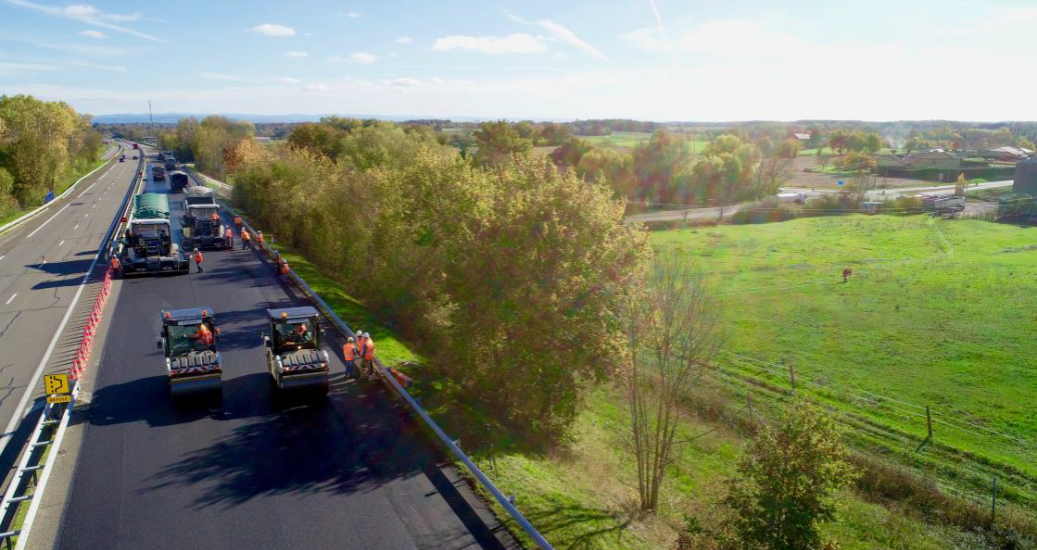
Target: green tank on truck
{"x": 151, "y": 244}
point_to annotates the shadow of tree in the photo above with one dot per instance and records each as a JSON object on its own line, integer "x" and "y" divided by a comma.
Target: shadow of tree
{"x": 575, "y": 526}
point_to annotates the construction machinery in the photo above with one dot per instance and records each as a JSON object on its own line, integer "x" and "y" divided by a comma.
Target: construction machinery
{"x": 158, "y": 173}
{"x": 190, "y": 340}
{"x": 169, "y": 160}
{"x": 177, "y": 181}
{"x": 202, "y": 225}
{"x": 294, "y": 356}
{"x": 150, "y": 243}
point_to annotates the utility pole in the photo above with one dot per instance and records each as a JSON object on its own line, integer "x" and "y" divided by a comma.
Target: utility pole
{"x": 151, "y": 117}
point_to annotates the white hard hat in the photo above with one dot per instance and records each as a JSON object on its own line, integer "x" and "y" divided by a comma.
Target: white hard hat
{"x": 367, "y": 335}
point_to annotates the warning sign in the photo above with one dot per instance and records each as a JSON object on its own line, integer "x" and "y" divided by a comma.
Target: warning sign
{"x": 57, "y": 383}
{"x": 63, "y": 398}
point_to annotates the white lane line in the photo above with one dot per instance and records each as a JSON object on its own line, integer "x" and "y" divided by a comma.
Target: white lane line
{"x": 48, "y": 221}
{"x": 19, "y": 411}
{"x": 2, "y": 257}
{"x": 61, "y": 243}
{"x": 85, "y": 215}
{"x": 11, "y": 299}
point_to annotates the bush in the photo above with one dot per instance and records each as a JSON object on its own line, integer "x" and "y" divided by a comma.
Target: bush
{"x": 768, "y": 210}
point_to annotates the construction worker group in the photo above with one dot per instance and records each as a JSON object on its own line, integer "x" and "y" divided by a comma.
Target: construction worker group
{"x": 362, "y": 350}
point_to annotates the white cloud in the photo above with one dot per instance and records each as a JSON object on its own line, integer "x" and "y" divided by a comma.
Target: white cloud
{"x": 520, "y": 43}
{"x": 219, "y": 76}
{"x": 289, "y": 80}
{"x": 364, "y": 58}
{"x": 93, "y": 34}
{"x": 8, "y": 68}
{"x": 351, "y": 15}
{"x": 403, "y": 40}
{"x": 393, "y": 56}
{"x": 296, "y": 54}
{"x": 722, "y": 38}
{"x": 404, "y": 82}
{"x": 88, "y": 14}
{"x": 315, "y": 88}
{"x": 564, "y": 34}
{"x": 514, "y": 18}
{"x": 274, "y": 30}
{"x": 112, "y": 68}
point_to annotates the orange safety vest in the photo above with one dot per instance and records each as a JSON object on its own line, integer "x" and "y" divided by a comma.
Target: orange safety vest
{"x": 238, "y": 221}
{"x": 284, "y": 268}
{"x": 214, "y": 217}
{"x": 205, "y": 335}
{"x": 198, "y": 257}
{"x": 244, "y": 235}
{"x": 349, "y": 351}
{"x": 115, "y": 263}
{"x": 229, "y": 234}
{"x": 368, "y": 349}
{"x": 259, "y": 237}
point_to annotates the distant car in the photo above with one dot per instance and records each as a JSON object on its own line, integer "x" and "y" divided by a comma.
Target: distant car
{"x": 122, "y": 159}
{"x": 134, "y": 157}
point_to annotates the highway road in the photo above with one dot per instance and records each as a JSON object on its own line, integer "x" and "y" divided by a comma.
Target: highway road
{"x": 42, "y": 263}
{"x": 256, "y": 471}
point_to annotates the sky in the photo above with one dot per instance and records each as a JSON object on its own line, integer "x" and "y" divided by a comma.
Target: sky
{"x": 663, "y": 60}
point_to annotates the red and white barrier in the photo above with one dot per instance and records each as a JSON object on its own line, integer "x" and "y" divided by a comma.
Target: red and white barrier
{"x": 82, "y": 359}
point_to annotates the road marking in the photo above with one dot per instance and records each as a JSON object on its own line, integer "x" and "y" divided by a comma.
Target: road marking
{"x": 11, "y": 299}
{"x": 85, "y": 215}
{"x": 93, "y": 205}
{"x": 2, "y": 257}
{"x": 48, "y": 220}
{"x": 19, "y": 411}
{"x": 61, "y": 243}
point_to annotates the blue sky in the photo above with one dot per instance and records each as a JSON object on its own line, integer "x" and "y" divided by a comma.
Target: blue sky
{"x": 658, "y": 60}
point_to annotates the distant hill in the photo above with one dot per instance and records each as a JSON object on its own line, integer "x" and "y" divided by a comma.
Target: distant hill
{"x": 173, "y": 118}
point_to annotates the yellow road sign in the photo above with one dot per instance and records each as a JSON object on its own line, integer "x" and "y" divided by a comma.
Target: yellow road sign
{"x": 57, "y": 383}
{"x": 64, "y": 398}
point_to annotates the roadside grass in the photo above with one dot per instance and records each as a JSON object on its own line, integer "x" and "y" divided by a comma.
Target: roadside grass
{"x": 990, "y": 195}
{"x": 938, "y": 314}
{"x": 585, "y": 495}
{"x": 59, "y": 189}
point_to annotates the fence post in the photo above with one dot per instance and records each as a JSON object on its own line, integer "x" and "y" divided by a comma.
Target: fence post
{"x": 993, "y": 500}
{"x": 929, "y": 427}
{"x": 792, "y": 375}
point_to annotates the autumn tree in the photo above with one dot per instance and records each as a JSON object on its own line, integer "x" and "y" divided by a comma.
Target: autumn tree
{"x": 726, "y": 168}
{"x": 786, "y": 482}
{"x": 672, "y": 333}
{"x": 960, "y": 185}
{"x": 499, "y": 143}
{"x": 789, "y": 148}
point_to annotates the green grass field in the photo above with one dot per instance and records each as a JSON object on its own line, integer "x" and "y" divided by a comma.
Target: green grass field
{"x": 585, "y": 497}
{"x": 938, "y": 314}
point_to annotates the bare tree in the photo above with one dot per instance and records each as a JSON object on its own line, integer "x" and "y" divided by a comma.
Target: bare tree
{"x": 673, "y": 332}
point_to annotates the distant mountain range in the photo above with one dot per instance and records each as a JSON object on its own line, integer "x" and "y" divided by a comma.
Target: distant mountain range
{"x": 173, "y": 118}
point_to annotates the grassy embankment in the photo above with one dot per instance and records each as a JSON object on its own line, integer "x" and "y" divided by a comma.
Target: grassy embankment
{"x": 938, "y": 314}
{"x": 59, "y": 189}
{"x": 585, "y": 497}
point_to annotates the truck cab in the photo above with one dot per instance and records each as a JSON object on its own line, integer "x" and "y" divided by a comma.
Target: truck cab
{"x": 170, "y": 162}
{"x": 294, "y": 356}
{"x": 177, "y": 181}
{"x": 190, "y": 340}
{"x": 158, "y": 173}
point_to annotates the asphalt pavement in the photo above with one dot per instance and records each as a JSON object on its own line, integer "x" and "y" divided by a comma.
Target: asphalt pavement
{"x": 42, "y": 263}
{"x": 257, "y": 470}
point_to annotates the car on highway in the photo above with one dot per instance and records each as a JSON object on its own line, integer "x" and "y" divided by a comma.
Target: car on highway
{"x": 122, "y": 158}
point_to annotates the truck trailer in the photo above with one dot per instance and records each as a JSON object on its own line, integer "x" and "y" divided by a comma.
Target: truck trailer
{"x": 151, "y": 244}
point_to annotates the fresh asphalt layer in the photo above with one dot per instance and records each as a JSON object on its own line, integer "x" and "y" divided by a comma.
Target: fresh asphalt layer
{"x": 256, "y": 470}
{"x": 42, "y": 263}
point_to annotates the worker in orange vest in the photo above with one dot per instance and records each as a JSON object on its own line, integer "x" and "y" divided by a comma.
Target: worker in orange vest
{"x": 367, "y": 352}
{"x": 116, "y": 267}
{"x": 203, "y": 335}
{"x": 349, "y": 354}
{"x": 215, "y": 216}
{"x": 238, "y": 222}
{"x": 198, "y": 260}
{"x": 283, "y": 270}
{"x": 245, "y": 239}
{"x": 259, "y": 239}
{"x": 229, "y": 237}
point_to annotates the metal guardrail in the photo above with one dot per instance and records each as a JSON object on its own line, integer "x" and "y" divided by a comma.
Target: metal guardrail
{"x": 506, "y": 502}
{"x": 49, "y": 430}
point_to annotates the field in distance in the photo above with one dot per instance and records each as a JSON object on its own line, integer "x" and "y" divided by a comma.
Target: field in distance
{"x": 938, "y": 313}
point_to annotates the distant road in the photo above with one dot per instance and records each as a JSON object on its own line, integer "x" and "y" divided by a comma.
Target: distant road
{"x": 712, "y": 212}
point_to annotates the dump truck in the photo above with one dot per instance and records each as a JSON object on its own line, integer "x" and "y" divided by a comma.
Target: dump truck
{"x": 190, "y": 341}
{"x": 150, "y": 243}
{"x": 170, "y": 161}
{"x": 177, "y": 181}
{"x": 158, "y": 173}
{"x": 294, "y": 356}
{"x": 202, "y": 225}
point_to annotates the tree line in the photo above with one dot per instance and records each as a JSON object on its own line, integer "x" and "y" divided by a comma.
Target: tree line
{"x": 43, "y": 144}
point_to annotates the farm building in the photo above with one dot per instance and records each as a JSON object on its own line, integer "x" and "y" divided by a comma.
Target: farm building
{"x": 1006, "y": 154}
{"x": 938, "y": 165}
{"x": 1025, "y": 181}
